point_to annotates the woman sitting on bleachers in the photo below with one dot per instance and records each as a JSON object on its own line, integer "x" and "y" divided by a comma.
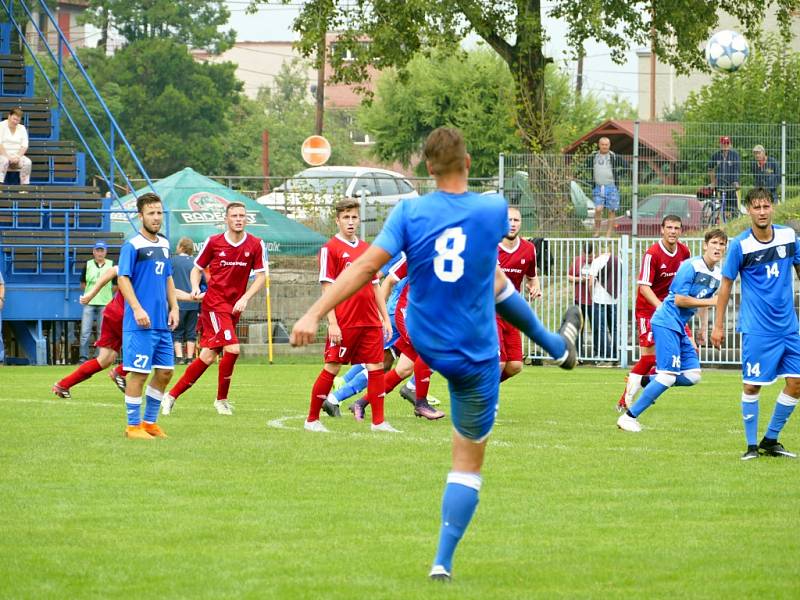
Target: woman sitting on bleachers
{"x": 13, "y": 145}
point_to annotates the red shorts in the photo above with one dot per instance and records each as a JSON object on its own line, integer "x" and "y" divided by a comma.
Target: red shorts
{"x": 110, "y": 331}
{"x": 645, "y": 332}
{"x": 403, "y": 343}
{"x": 359, "y": 345}
{"x": 510, "y": 342}
{"x": 219, "y": 329}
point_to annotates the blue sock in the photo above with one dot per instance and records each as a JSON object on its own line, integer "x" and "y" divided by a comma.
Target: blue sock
{"x": 353, "y": 371}
{"x": 653, "y": 390}
{"x": 750, "y": 417}
{"x": 513, "y": 308}
{"x": 458, "y": 505}
{"x": 357, "y": 383}
{"x": 783, "y": 410}
{"x": 153, "y": 403}
{"x": 133, "y": 406}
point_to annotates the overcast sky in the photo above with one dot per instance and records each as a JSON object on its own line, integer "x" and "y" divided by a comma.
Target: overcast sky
{"x": 601, "y": 75}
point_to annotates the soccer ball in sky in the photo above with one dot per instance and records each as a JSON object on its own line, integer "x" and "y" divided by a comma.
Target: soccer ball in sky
{"x": 727, "y": 51}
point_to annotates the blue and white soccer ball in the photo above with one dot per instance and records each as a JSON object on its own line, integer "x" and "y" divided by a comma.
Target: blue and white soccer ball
{"x": 727, "y": 51}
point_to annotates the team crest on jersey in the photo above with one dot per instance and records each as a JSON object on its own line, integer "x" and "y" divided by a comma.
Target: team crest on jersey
{"x": 522, "y": 262}
{"x": 782, "y": 251}
{"x": 246, "y": 254}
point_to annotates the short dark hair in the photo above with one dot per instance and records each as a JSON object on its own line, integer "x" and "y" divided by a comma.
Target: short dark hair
{"x": 345, "y": 204}
{"x": 16, "y": 111}
{"x": 674, "y": 218}
{"x": 715, "y": 233}
{"x": 757, "y": 193}
{"x": 234, "y": 204}
{"x": 145, "y": 199}
{"x": 445, "y": 151}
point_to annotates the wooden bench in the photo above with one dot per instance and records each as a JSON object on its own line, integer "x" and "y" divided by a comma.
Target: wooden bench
{"x": 43, "y": 251}
{"x": 15, "y": 77}
{"x": 55, "y": 161}
{"x": 40, "y": 118}
{"x": 42, "y": 203}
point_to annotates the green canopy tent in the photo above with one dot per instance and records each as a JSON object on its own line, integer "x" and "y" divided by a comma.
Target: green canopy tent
{"x": 196, "y": 206}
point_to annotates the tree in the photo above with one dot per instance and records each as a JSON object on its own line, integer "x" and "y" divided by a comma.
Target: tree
{"x": 396, "y": 31}
{"x": 474, "y": 92}
{"x": 288, "y": 115}
{"x": 175, "y": 111}
{"x": 196, "y": 23}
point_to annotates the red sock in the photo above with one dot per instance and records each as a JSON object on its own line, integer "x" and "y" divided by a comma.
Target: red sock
{"x": 390, "y": 381}
{"x": 504, "y": 376}
{"x": 375, "y": 394}
{"x": 225, "y": 374}
{"x": 120, "y": 371}
{"x": 82, "y": 373}
{"x": 422, "y": 378}
{"x": 190, "y": 375}
{"x": 322, "y": 387}
{"x": 646, "y": 362}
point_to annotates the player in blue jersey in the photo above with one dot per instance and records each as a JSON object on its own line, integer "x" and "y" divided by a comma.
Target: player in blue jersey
{"x": 765, "y": 256}
{"x": 151, "y": 312}
{"x": 677, "y": 363}
{"x": 450, "y": 238}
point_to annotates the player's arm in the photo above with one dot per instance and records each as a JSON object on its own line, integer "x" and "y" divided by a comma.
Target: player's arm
{"x": 534, "y": 289}
{"x": 105, "y": 277}
{"x": 648, "y": 294}
{"x": 387, "y": 285}
{"x": 723, "y": 296}
{"x": 682, "y": 301}
{"x": 797, "y": 270}
{"x": 700, "y": 333}
{"x": 195, "y": 276}
{"x": 258, "y": 282}
{"x": 384, "y": 312}
{"x": 172, "y": 301}
{"x": 126, "y": 289}
{"x": 348, "y": 283}
{"x": 334, "y": 331}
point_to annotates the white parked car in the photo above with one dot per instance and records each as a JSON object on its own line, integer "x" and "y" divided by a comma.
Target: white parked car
{"x": 312, "y": 193}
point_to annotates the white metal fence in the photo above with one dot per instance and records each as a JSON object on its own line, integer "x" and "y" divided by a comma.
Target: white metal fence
{"x": 610, "y": 334}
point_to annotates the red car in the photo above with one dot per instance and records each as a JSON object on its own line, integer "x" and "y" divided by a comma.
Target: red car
{"x": 654, "y": 208}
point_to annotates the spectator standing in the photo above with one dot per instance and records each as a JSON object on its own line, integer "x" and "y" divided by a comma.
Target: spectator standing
{"x": 186, "y": 331}
{"x": 604, "y": 273}
{"x": 579, "y": 274}
{"x": 93, "y": 312}
{"x": 607, "y": 170}
{"x": 724, "y": 171}
{"x": 2, "y": 306}
{"x": 766, "y": 172}
{"x": 13, "y": 146}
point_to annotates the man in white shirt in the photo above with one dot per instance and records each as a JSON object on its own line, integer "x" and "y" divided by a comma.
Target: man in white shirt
{"x": 13, "y": 146}
{"x": 604, "y": 273}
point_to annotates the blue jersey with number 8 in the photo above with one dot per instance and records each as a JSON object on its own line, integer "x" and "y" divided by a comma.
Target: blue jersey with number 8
{"x": 450, "y": 241}
{"x": 147, "y": 265}
{"x": 767, "y": 306}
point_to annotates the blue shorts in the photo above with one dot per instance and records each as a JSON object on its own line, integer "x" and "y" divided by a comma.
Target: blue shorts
{"x": 146, "y": 349}
{"x": 474, "y": 391}
{"x": 765, "y": 358}
{"x": 674, "y": 351}
{"x": 606, "y": 195}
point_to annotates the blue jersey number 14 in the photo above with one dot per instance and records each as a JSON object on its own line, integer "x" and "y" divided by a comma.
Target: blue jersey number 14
{"x": 448, "y": 264}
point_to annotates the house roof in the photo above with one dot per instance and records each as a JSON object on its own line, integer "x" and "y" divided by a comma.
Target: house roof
{"x": 654, "y": 138}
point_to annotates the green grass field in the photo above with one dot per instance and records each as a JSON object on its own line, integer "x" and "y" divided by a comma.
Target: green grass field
{"x": 252, "y": 506}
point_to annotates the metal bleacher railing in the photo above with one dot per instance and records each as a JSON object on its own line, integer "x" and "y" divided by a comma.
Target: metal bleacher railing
{"x": 49, "y": 227}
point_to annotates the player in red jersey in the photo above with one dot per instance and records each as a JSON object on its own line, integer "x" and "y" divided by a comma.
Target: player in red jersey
{"x": 230, "y": 257}
{"x": 356, "y": 328}
{"x": 517, "y": 259}
{"x": 659, "y": 265}
{"x": 109, "y": 342}
{"x": 409, "y": 361}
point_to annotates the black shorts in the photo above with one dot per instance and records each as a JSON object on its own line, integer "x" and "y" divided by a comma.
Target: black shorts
{"x": 186, "y": 331}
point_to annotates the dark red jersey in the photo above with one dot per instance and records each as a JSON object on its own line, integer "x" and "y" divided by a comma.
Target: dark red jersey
{"x": 361, "y": 309}
{"x": 518, "y": 262}
{"x": 230, "y": 266}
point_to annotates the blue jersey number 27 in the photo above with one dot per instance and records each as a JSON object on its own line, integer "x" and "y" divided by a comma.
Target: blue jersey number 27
{"x": 448, "y": 264}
